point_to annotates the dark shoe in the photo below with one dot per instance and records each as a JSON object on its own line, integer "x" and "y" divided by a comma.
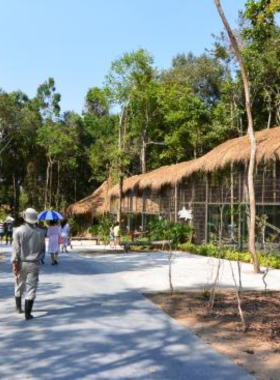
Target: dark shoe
{"x": 55, "y": 262}
{"x": 28, "y": 309}
{"x": 18, "y": 305}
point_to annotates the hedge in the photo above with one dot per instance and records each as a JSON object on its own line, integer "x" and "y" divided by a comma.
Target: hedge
{"x": 271, "y": 260}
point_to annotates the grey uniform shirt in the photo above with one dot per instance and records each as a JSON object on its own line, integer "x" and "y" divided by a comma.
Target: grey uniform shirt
{"x": 28, "y": 244}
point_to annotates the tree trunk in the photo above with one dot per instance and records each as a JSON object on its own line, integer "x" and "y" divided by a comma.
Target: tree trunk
{"x": 47, "y": 185}
{"x": 57, "y": 200}
{"x": 119, "y": 215}
{"x": 143, "y": 155}
{"x": 269, "y": 118}
{"x": 120, "y": 146}
{"x": 144, "y": 143}
{"x": 251, "y": 134}
{"x": 51, "y": 184}
{"x": 16, "y": 188}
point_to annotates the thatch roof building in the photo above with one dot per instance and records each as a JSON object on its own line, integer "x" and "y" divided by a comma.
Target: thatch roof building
{"x": 96, "y": 203}
{"x": 232, "y": 151}
{"x": 218, "y": 199}
{"x": 238, "y": 151}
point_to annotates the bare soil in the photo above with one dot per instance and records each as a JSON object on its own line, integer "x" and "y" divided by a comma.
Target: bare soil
{"x": 257, "y": 350}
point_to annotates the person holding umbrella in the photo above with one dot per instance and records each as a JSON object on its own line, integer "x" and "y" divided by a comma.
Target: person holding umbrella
{"x": 27, "y": 249}
{"x": 54, "y": 233}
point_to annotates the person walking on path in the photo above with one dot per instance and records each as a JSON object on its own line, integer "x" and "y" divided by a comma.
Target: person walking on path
{"x": 26, "y": 253}
{"x": 65, "y": 231}
{"x": 43, "y": 231}
{"x": 2, "y": 233}
{"x": 54, "y": 233}
{"x": 9, "y": 226}
{"x": 117, "y": 234}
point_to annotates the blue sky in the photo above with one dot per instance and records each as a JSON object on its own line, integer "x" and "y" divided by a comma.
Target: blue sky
{"x": 75, "y": 41}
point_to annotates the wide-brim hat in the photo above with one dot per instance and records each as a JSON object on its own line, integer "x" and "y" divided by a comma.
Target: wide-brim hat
{"x": 30, "y": 216}
{"x": 9, "y": 219}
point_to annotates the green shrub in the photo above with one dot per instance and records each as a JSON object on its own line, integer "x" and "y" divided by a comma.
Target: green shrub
{"x": 105, "y": 222}
{"x": 162, "y": 229}
{"x": 209, "y": 250}
{"x": 74, "y": 226}
{"x": 93, "y": 230}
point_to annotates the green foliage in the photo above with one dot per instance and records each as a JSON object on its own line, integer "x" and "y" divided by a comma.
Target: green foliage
{"x": 93, "y": 230}
{"x": 23, "y": 201}
{"x": 261, "y": 15}
{"x": 48, "y": 99}
{"x": 163, "y": 229}
{"x": 209, "y": 250}
{"x": 187, "y": 120}
{"x": 97, "y": 102}
{"x": 75, "y": 227}
{"x": 105, "y": 222}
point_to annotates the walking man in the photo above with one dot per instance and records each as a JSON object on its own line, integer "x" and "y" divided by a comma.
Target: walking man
{"x": 27, "y": 248}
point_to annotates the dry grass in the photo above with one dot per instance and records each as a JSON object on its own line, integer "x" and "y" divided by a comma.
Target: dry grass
{"x": 98, "y": 202}
{"x": 233, "y": 151}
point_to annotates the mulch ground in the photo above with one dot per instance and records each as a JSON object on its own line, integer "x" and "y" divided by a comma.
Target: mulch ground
{"x": 257, "y": 349}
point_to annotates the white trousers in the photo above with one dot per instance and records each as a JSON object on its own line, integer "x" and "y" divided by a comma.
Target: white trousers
{"x": 27, "y": 280}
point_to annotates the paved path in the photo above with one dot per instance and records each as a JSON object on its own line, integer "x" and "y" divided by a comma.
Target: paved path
{"x": 92, "y": 324}
{"x": 149, "y": 271}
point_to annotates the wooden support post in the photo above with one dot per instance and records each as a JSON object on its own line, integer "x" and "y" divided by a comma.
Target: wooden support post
{"x": 176, "y": 202}
{"x": 119, "y": 214}
{"x": 143, "y": 212}
{"x": 206, "y": 237}
{"x": 239, "y": 231}
{"x": 232, "y": 204}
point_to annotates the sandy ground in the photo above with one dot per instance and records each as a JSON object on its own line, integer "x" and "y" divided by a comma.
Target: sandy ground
{"x": 257, "y": 350}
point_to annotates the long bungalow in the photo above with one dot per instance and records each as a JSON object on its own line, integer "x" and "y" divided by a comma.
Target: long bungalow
{"x": 95, "y": 204}
{"x": 214, "y": 187}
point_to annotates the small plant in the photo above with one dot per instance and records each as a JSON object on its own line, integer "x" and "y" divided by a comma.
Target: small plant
{"x": 93, "y": 230}
{"x": 105, "y": 222}
{"x": 163, "y": 229}
{"x": 75, "y": 226}
{"x": 204, "y": 295}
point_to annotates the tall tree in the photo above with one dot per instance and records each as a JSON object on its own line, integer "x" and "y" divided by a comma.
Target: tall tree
{"x": 48, "y": 103}
{"x": 251, "y": 134}
{"x": 127, "y": 81}
{"x": 131, "y": 81}
{"x": 19, "y": 123}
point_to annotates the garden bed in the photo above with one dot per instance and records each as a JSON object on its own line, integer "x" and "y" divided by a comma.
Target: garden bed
{"x": 257, "y": 350}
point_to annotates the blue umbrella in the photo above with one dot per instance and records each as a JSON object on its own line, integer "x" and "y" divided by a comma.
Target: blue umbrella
{"x": 50, "y": 215}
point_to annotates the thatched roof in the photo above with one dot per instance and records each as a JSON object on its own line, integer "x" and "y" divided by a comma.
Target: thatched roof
{"x": 134, "y": 181}
{"x": 97, "y": 202}
{"x": 238, "y": 150}
{"x": 157, "y": 178}
{"x": 232, "y": 151}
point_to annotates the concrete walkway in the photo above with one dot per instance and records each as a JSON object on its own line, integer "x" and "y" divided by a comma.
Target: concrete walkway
{"x": 91, "y": 323}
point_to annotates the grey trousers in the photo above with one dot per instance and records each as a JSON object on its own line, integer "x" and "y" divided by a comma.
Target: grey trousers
{"x": 27, "y": 279}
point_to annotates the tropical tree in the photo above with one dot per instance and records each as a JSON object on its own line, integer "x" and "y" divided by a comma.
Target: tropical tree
{"x": 128, "y": 83}
{"x": 251, "y": 134}
{"x": 19, "y": 124}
